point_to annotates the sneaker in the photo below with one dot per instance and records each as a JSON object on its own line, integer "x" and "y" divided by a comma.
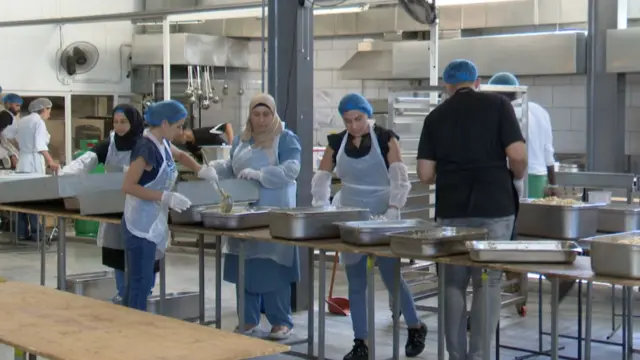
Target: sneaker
{"x": 282, "y": 334}
{"x": 360, "y": 351}
{"x": 249, "y": 332}
{"x": 416, "y": 341}
{"x": 117, "y": 300}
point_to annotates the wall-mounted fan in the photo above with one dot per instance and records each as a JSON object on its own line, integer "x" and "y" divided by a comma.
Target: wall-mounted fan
{"x": 422, "y": 11}
{"x": 79, "y": 58}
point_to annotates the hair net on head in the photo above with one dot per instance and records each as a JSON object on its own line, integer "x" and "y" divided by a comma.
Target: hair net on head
{"x": 357, "y": 102}
{"x": 170, "y": 110}
{"x": 40, "y": 104}
{"x": 12, "y": 98}
{"x": 460, "y": 71}
{"x": 504, "y": 78}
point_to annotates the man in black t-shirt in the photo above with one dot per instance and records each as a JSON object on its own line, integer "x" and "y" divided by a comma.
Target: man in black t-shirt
{"x": 8, "y": 130}
{"x": 463, "y": 149}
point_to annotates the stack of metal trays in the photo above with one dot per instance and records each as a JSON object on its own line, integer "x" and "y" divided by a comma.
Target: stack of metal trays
{"x": 525, "y": 251}
{"x": 237, "y": 219}
{"x": 569, "y": 222}
{"x": 376, "y": 232}
{"x": 193, "y": 215}
{"x": 616, "y": 255}
{"x": 201, "y": 192}
{"x": 616, "y": 218}
{"x": 307, "y": 223}
{"x": 58, "y": 187}
{"x": 434, "y": 242}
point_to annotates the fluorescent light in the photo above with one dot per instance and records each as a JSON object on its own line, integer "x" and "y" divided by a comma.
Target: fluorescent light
{"x": 467, "y": 2}
{"x": 159, "y": 22}
{"x": 256, "y": 12}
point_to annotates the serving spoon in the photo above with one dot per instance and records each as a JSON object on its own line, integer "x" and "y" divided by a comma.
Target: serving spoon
{"x": 226, "y": 205}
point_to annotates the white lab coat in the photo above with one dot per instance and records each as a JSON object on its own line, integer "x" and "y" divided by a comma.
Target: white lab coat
{"x": 33, "y": 137}
{"x": 539, "y": 139}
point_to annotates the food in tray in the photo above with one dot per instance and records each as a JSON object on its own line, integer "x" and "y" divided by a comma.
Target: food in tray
{"x": 554, "y": 200}
{"x": 630, "y": 241}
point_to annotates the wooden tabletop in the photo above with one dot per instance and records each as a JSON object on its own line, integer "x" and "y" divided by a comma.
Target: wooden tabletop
{"x": 61, "y": 326}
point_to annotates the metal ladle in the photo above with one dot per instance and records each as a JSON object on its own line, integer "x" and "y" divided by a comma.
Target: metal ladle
{"x": 226, "y": 205}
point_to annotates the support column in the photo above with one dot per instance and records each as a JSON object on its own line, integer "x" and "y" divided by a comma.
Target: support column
{"x": 290, "y": 76}
{"x": 605, "y": 94}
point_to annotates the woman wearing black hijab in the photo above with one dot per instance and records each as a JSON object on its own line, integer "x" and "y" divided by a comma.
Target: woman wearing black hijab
{"x": 115, "y": 153}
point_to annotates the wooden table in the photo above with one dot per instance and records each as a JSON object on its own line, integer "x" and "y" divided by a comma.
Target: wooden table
{"x": 62, "y": 326}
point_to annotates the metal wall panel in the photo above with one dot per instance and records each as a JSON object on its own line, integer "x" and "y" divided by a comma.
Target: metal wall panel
{"x": 623, "y": 50}
{"x": 521, "y": 55}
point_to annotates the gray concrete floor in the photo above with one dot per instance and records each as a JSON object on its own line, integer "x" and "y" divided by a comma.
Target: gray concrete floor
{"x": 182, "y": 275}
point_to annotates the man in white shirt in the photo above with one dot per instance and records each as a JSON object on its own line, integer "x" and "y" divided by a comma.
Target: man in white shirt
{"x": 541, "y": 175}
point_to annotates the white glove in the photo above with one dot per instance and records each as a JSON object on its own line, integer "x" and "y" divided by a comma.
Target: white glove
{"x": 250, "y": 174}
{"x": 125, "y": 168}
{"x": 399, "y": 183}
{"x": 392, "y": 214}
{"x": 82, "y": 165}
{"x": 208, "y": 173}
{"x": 321, "y": 188}
{"x": 175, "y": 201}
{"x": 519, "y": 185}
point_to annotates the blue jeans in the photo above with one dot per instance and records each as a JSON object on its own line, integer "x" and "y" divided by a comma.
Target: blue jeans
{"x": 277, "y": 306}
{"x": 357, "y": 277}
{"x": 140, "y": 256}
{"x": 121, "y": 283}
{"x": 28, "y": 226}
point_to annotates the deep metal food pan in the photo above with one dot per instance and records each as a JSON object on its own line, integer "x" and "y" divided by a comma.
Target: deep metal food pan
{"x": 72, "y": 204}
{"x": 58, "y": 187}
{"x": 617, "y": 218}
{"x": 434, "y": 242}
{"x": 525, "y": 251}
{"x": 616, "y": 255}
{"x": 181, "y": 305}
{"x": 191, "y": 216}
{"x": 99, "y": 285}
{"x": 376, "y": 232}
{"x": 558, "y": 221}
{"x": 238, "y": 218}
{"x": 309, "y": 223}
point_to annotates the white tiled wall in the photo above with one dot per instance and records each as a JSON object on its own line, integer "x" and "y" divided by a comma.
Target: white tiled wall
{"x": 564, "y": 97}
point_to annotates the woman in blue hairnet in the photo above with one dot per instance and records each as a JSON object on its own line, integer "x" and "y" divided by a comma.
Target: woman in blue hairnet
{"x": 269, "y": 154}
{"x": 364, "y": 148}
{"x": 148, "y": 186}
{"x": 115, "y": 153}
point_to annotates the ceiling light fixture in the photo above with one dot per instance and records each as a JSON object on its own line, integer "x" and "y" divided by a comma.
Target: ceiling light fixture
{"x": 256, "y": 12}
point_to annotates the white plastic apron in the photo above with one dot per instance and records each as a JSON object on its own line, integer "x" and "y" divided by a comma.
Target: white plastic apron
{"x": 246, "y": 157}
{"x": 365, "y": 183}
{"x": 150, "y": 219}
{"x": 110, "y": 235}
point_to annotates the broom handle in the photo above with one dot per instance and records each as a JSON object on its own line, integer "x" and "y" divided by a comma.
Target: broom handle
{"x": 333, "y": 273}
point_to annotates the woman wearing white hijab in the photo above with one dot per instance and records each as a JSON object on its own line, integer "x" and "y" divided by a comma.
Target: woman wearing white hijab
{"x": 269, "y": 154}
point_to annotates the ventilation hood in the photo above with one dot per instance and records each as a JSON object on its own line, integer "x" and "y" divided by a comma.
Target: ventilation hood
{"x": 623, "y": 50}
{"x": 191, "y": 49}
{"x": 519, "y": 54}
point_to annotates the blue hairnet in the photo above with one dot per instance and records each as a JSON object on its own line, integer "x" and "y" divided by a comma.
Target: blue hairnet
{"x": 12, "y": 98}
{"x": 460, "y": 71}
{"x": 355, "y": 101}
{"x": 504, "y": 78}
{"x": 170, "y": 110}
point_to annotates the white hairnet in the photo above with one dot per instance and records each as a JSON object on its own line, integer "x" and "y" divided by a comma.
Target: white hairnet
{"x": 39, "y": 104}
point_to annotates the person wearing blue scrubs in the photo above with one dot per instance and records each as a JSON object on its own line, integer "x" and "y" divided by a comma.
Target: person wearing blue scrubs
{"x": 367, "y": 160}
{"x": 148, "y": 186}
{"x": 269, "y": 154}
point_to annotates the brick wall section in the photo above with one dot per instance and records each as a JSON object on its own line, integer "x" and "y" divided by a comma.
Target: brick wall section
{"x": 564, "y": 97}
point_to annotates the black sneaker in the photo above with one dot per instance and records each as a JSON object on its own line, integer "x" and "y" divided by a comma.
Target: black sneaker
{"x": 360, "y": 351}
{"x": 416, "y": 341}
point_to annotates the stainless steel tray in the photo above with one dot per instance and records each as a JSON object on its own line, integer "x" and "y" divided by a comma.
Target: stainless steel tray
{"x": 101, "y": 202}
{"x": 525, "y": 251}
{"x": 58, "y": 187}
{"x": 376, "y": 232}
{"x": 97, "y": 285}
{"x": 434, "y": 242}
{"x": 239, "y": 218}
{"x": 191, "y": 216}
{"x": 306, "y": 223}
{"x": 617, "y": 218}
{"x": 610, "y": 256}
{"x": 201, "y": 192}
{"x": 558, "y": 221}
{"x": 181, "y": 305}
